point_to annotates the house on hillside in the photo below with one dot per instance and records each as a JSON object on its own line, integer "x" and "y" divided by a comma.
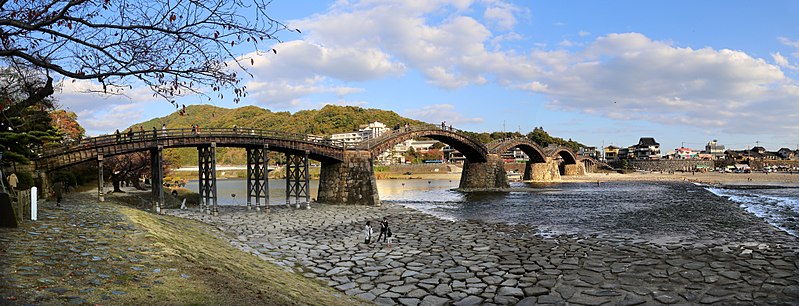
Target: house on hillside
{"x": 647, "y": 149}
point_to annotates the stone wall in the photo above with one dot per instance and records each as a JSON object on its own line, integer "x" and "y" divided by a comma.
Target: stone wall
{"x": 665, "y": 165}
{"x": 351, "y": 181}
{"x": 542, "y": 172}
{"x": 419, "y": 168}
{"x": 487, "y": 175}
{"x": 574, "y": 169}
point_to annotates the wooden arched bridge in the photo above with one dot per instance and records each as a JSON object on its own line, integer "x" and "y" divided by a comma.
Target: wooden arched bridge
{"x": 347, "y": 174}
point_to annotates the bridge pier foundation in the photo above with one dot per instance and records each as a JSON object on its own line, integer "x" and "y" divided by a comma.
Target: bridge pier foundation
{"x": 257, "y": 178}
{"x": 488, "y": 174}
{"x": 351, "y": 181}
{"x": 542, "y": 172}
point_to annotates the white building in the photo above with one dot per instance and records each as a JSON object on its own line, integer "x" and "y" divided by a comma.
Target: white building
{"x": 395, "y": 155}
{"x": 365, "y": 132}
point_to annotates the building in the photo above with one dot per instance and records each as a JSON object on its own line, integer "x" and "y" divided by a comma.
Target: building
{"x": 396, "y": 154}
{"x": 685, "y": 153}
{"x": 611, "y": 152}
{"x": 647, "y": 149}
{"x": 715, "y": 149}
{"x": 364, "y": 132}
{"x": 588, "y": 152}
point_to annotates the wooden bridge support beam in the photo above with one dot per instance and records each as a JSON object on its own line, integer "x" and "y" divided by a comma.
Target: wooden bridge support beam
{"x": 484, "y": 175}
{"x": 157, "y": 177}
{"x": 207, "y": 175}
{"x": 298, "y": 179}
{"x": 257, "y": 177}
{"x": 351, "y": 181}
{"x": 100, "y": 182}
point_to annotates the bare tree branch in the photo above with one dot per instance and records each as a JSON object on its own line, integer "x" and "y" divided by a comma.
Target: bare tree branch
{"x": 174, "y": 46}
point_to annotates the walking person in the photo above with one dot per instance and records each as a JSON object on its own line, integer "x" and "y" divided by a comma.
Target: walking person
{"x": 118, "y": 135}
{"x": 155, "y": 134}
{"x": 163, "y": 130}
{"x": 130, "y": 134}
{"x": 389, "y": 236}
{"x": 367, "y": 232}
{"x": 58, "y": 189}
{"x": 383, "y": 228}
{"x": 141, "y": 132}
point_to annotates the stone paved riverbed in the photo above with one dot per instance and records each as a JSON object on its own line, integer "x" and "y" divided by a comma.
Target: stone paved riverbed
{"x": 439, "y": 262}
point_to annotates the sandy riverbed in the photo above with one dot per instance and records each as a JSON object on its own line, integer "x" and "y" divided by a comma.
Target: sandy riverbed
{"x": 708, "y": 178}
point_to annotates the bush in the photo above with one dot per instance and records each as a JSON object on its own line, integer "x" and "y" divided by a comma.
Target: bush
{"x": 67, "y": 177}
{"x": 25, "y": 181}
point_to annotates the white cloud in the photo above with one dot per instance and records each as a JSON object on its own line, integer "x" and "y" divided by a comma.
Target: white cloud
{"x": 441, "y": 112}
{"x": 102, "y": 113}
{"x": 790, "y": 43}
{"x": 629, "y": 76}
{"x": 288, "y": 93}
{"x": 583, "y": 33}
{"x": 783, "y": 61}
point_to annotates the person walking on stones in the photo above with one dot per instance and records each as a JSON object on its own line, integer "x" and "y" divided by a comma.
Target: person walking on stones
{"x": 367, "y": 232}
{"x": 389, "y": 236}
{"x": 58, "y": 189}
{"x": 383, "y": 228}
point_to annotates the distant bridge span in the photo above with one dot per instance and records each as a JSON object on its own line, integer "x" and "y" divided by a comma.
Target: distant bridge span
{"x": 347, "y": 173}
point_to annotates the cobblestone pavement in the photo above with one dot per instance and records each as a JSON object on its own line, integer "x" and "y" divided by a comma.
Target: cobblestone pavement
{"x": 80, "y": 253}
{"x": 439, "y": 262}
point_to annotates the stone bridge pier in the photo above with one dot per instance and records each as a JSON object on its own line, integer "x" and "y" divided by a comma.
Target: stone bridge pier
{"x": 550, "y": 170}
{"x": 351, "y": 181}
{"x": 488, "y": 174}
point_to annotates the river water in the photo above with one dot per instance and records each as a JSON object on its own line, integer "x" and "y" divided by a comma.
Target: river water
{"x": 618, "y": 207}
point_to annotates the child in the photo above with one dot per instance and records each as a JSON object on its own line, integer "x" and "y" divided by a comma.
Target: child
{"x": 367, "y": 232}
{"x": 389, "y": 236}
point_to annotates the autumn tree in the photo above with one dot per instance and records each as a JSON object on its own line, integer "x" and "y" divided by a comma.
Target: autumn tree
{"x": 176, "y": 47}
{"x": 67, "y": 124}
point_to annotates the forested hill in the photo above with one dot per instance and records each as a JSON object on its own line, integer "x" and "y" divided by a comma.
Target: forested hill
{"x": 328, "y": 120}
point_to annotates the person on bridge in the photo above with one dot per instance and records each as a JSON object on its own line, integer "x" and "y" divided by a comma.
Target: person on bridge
{"x": 193, "y": 130}
{"x": 130, "y": 134}
{"x": 367, "y": 232}
{"x": 118, "y": 135}
{"x": 155, "y": 133}
{"x": 163, "y": 130}
{"x": 141, "y": 132}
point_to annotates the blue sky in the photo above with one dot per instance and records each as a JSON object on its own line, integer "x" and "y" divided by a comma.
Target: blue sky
{"x": 599, "y": 72}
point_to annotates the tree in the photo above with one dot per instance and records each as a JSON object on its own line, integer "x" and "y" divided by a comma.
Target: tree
{"x": 176, "y": 47}
{"x": 25, "y": 124}
{"x": 67, "y": 124}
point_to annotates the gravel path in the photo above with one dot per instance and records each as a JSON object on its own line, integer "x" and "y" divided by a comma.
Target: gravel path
{"x": 438, "y": 262}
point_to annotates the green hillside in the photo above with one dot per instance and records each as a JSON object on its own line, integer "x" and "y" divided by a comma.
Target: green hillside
{"x": 328, "y": 120}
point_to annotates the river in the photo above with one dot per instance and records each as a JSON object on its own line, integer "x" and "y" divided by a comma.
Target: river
{"x": 621, "y": 207}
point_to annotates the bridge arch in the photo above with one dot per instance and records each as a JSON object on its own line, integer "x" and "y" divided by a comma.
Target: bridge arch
{"x": 589, "y": 164}
{"x": 471, "y": 149}
{"x": 532, "y": 149}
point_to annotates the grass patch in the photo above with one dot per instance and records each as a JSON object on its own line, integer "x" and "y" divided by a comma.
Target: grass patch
{"x": 218, "y": 273}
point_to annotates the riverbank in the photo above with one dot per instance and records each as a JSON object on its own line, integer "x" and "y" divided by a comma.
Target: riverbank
{"x": 106, "y": 253}
{"x": 711, "y": 178}
{"x": 681, "y": 252}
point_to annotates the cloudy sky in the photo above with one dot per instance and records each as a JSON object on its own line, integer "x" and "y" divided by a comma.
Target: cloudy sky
{"x": 599, "y": 72}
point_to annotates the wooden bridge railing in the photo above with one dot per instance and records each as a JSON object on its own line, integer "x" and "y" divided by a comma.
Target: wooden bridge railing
{"x": 182, "y": 133}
